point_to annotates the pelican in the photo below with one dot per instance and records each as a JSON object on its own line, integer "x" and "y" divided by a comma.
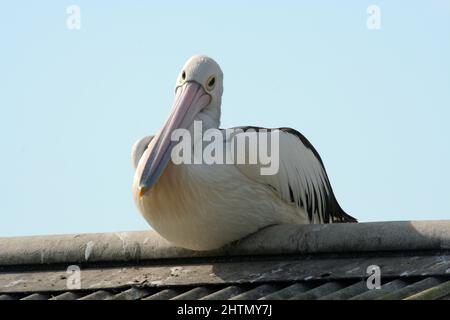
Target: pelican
{"x": 206, "y": 206}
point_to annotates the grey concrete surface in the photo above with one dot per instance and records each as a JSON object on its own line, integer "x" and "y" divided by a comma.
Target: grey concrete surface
{"x": 283, "y": 239}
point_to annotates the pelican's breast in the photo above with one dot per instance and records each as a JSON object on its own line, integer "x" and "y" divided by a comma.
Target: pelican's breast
{"x": 204, "y": 207}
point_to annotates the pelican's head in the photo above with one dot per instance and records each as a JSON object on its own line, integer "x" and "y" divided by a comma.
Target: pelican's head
{"x": 198, "y": 96}
{"x": 206, "y": 73}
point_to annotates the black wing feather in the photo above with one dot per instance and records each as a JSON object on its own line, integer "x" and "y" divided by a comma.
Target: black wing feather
{"x": 332, "y": 210}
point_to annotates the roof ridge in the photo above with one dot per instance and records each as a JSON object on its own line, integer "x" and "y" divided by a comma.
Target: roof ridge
{"x": 281, "y": 239}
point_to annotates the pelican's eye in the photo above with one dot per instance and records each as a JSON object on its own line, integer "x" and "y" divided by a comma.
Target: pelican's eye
{"x": 210, "y": 83}
{"x": 183, "y": 75}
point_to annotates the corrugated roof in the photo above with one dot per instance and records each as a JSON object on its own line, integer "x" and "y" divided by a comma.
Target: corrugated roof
{"x": 409, "y": 289}
{"x": 280, "y": 262}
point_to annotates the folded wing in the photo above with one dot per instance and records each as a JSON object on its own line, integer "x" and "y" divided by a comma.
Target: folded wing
{"x": 301, "y": 179}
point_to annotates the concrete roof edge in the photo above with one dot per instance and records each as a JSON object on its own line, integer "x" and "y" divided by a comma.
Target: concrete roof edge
{"x": 281, "y": 239}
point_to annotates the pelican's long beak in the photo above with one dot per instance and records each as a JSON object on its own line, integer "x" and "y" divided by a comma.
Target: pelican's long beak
{"x": 190, "y": 99}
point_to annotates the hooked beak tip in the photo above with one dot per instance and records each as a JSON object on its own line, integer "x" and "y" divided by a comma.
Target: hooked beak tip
{"x": 142, "y": 191}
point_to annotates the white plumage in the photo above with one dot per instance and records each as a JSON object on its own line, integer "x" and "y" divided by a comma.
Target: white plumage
{"x": 203, "y": 207}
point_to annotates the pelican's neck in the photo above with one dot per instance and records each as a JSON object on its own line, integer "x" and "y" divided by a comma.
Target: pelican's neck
{"x": 210, "y": 116}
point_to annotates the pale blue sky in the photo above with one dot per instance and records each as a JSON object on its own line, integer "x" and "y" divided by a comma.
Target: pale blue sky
{"x": 376, "y": 104}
